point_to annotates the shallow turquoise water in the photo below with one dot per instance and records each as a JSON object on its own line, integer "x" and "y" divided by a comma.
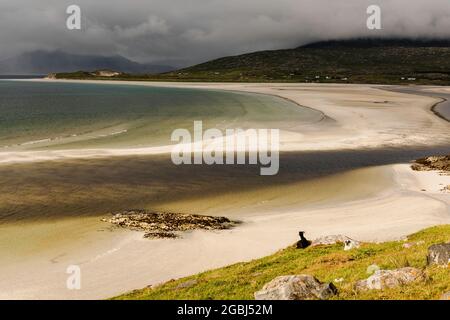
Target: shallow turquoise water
{"x": 43, "y": 115}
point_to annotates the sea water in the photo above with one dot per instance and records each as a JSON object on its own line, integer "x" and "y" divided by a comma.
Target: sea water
{"x": 37, "y": 115}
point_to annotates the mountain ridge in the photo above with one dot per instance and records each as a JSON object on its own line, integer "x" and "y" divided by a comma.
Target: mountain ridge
{"x": 366, "y": 60}
{"x": 45, "y": 62}
{"x": 388, "y": 61}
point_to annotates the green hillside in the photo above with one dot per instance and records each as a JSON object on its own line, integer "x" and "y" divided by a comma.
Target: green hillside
{"x": 327, "y": 263}
{"x": 349, "y": 61}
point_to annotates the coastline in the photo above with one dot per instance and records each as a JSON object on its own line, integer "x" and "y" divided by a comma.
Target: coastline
{"x": 396, "y": 204}
{"x": 437, "y": 112}
{"x": 353, "y": 118}
{"x": 435, "y": 92}
{"x": 398, "y": 208}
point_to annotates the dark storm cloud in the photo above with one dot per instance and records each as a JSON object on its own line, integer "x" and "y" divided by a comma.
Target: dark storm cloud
{"x": 192, "y": 31}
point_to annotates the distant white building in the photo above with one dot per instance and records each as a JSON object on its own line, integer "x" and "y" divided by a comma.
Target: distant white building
{"x": 105, "y": 73}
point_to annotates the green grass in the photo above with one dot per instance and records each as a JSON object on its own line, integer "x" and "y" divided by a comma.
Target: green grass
{"x": 240, "y": 281}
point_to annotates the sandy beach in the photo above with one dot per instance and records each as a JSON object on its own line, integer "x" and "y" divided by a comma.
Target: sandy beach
{"x": 355, "y": 117}
{"x": 377, "y": 201}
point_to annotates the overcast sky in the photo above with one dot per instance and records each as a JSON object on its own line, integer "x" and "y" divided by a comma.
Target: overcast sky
{"x": 191, "y": 31}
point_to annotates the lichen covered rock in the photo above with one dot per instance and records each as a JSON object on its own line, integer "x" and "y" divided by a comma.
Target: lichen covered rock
{"x": 446, "y": 296}
{"x": 384, "y": 279}
{"x": 296, "y": 287}
{"x": 439, "y": 254}
{"x": 440, "y": 163}
{"x": 166, "y": 225}
{"x": 349, "y": 243}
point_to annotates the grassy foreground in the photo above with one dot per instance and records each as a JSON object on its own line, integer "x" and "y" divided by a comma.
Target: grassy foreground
{"x": 327, "y": 263}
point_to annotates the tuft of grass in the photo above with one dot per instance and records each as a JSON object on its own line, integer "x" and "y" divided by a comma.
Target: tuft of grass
{"x": 327, "y": 263}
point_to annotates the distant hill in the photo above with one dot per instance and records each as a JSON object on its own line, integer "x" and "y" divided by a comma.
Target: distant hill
{"x": 378, "y": 42}
{"x": 361, "y": 60}
{"x": 383, "y": 61}
{"x": 44, "y": 62}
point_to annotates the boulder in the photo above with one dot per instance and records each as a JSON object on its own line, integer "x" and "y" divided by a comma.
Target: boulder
{"x": 409, "y": 245}
{"x": 383, "y": 279}
{"x": 296, "y": 287}
{"x": 439, "y": 254}
{"x": 333, "y": 239}
{"x": 187, "y": 284}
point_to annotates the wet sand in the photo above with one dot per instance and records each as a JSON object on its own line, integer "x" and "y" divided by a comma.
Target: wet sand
{"x": 441, "y": 109}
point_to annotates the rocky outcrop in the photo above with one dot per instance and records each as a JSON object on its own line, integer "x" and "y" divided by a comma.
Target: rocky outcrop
{"x": 409, "y": 245}
{"x": 372, "y": 269}
{"x": 441, "y": 163}
{"x": 349, "y": 243}
{"x": 187, "y": 284}
{"x": 439, "y": 254}
{"x": 166, "y": 225}
{"x": 296, "y": 287}
{"x": 383, "y": 279}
